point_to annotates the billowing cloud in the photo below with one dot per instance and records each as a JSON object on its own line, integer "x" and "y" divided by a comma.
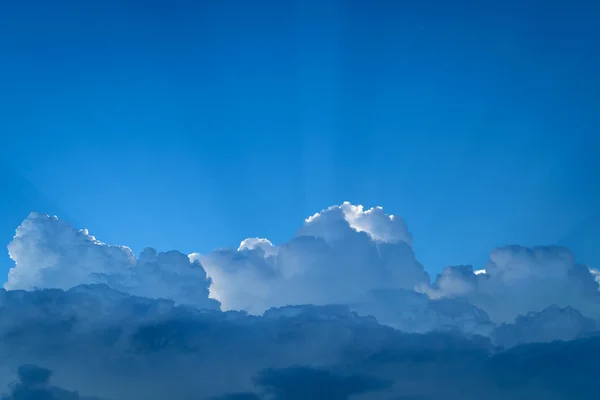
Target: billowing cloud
{"x": 374, "y": 222}
{"x": 50, "y": 253}
{"x": 337, "y": 257}
{"x": 341, "y": 255}
{"x": 519, "y": 280}
{"x": 346, "y": 255}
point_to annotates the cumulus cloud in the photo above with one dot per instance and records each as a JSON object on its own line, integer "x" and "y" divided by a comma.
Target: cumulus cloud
{"x": 338, "y": 256}
{"x": 50, "y": 253}
{"x": 341, "y": 310}
{"x": 347, "y": 255}
{"x": 374, "y": 222}
{"x": 519, "y": 280}
{"x": 362, "y": 258}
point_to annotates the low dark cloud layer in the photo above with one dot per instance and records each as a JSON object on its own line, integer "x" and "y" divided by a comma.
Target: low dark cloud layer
{"x": 117, "y": 346}
{"x": 34, "y": 384}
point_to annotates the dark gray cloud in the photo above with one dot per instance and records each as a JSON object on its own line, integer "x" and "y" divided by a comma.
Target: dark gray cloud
{"x": 237, "y": 396}
{"x": 120, "y": 347}
{"x": 34, "y": 384}
{"x": 299, "y": 383}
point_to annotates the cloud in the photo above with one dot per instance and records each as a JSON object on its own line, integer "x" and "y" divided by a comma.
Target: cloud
{"x": 550, "y": 324}
{"x": 300, "y": 383}
{"x": 122, "y": 347}
{"x": 410, "y": 311}
{"x": 337, "y": 257}
{"x": 50, "y": 253}
{"x": 374, "y": 222}
{"x": 237, "y": 396}
{"x": 341, "y": 310}
{"x": 346, "y": 255}
{"x": 341, "y": 255}
{"x": 596, "y": 274}
{"x": 34, "y": 384}
{"x": 519, "y": 280}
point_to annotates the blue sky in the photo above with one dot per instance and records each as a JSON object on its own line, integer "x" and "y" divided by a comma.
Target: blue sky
{"x": 192, "y": 125}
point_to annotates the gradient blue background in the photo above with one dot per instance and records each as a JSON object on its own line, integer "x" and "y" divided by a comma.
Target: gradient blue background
{"x": 191, "y": 125}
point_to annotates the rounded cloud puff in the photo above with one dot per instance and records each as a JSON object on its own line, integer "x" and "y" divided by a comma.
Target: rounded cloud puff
{"x": 374, "y": 222}
{"x": 338, "y": 256}
{"x": 518, "y": 280}
{"x": 50, "y": 253}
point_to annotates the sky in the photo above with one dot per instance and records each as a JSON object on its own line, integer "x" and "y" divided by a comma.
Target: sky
{"x": 193, "y": 125}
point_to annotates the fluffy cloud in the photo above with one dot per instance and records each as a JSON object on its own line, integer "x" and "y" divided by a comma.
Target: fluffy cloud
{"x": 550, "y": 324}
{"x": 337, "y": 257}
{"x": 374, "y": 222}
{"x": 125, "y": 328}
{"x": 50, "y": 253}
{"x": 518, "y": 280}
{"x": 342, "y": 255}
{"x": 347, "y": 255}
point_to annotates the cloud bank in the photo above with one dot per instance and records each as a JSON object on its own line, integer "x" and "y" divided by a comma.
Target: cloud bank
{"x": 341, "y": 255}
{"x": 50, "y": 253}
{"x": 518, "y": 280}
{"x": 34, "y": 384}
{"x": 342, "y": 310}
{"x": 117, "y": 346}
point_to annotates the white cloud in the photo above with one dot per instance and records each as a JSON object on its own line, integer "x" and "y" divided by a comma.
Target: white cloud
{"x": 258, "y": 243}
{"x": 374, "y": 222}
{"x": 50, "y": 253}
{"x": 596, "y": 274}
{"x": 343, "y": 264}
{"x": 337, "y": 257}
{"x": 518, "y": 280}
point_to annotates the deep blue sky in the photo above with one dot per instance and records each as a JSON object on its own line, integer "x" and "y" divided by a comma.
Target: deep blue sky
{"x": 192, "y": 125}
